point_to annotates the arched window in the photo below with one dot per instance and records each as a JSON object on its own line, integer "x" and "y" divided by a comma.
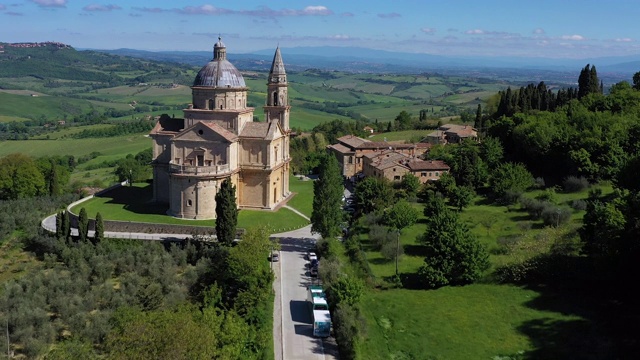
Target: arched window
{"x": 275, "y": 99}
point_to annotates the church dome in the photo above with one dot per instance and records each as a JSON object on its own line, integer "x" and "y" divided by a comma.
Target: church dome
{"x": 219, "y": 72}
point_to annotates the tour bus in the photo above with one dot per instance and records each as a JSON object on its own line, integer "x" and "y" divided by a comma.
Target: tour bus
{"x": 321, "y": 323}
{"x": 319, "y": 311}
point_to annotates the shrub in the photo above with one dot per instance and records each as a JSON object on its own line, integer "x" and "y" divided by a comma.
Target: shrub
{"x": 554, "y": 216}
{"x": 390, "y": 250}
{"x": 380, "y": 235}
{"x": 575, "y": 184}
{"x": 539, "y": 183}
{"x": 579, "y": 205}
{"x": 349, "y": 328}
{"x": 549, "y": 195}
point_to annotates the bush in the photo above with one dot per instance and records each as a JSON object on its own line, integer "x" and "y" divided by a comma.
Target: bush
{"x": 575, "y": 184}
{"x": 539, "y": 183}
{"x": 579, "y": 205}
{"x": 349, "y": 328}
{"x": 548, "y": 195}
{"x": 534, "y": 207}
{"x": 391, "y": 249}
{"x": 380, "y": 235}
{"x": 554, "y": 216}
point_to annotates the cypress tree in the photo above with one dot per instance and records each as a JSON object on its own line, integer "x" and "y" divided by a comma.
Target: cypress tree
{"x": 54, "y": 183}
{"x": 66, "y": 225}
{"x": 478, "y": 122}
{"x": 327, "y": 214}
{"x": 83, "y": 225}
{"x": 59, "y": 224}
{"x": 226, "y": 213}
{"x": 99, "y": 233}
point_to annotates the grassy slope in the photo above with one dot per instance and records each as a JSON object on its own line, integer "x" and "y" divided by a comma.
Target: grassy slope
{"x": 481, "y": 320}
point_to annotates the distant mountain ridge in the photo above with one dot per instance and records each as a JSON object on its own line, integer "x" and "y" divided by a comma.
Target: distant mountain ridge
{"x": 343, "y": 56}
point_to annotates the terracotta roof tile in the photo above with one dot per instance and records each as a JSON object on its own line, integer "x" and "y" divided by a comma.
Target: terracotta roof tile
{"x": 220, "y": 130}
{"x": 255, "y": 130}
{"x": 416, "y": 165}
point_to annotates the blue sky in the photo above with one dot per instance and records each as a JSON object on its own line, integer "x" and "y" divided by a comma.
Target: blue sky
{"x": 541, "y": 28}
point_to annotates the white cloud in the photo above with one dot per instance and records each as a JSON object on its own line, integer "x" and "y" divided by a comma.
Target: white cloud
{"x": 50, "y": 3}
{"x": 202, "y": 10}
{"x": 573, "y": 37}
{"x": 429, "y": 31}
{"x": 475, "y": 32}
{"x": 339, "y": 37}
{"x": 97, "y": 7}
{"x": 623, "y": 40}
{"x": 539, "y": 31}
{"x": 316, "y": 10}
{"x": 389, "y": 15}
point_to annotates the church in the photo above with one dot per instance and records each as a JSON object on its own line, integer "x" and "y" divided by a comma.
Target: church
{"x": 218, "y": 139}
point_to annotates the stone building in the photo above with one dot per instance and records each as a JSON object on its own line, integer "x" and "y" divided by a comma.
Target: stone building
{"x": 217, "y": 139}
{"x": 350, "y": 150}
{"x": 394, "y": 166}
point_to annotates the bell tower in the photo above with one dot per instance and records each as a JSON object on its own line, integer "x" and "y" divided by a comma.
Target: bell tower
{"x": 277, "y": 107}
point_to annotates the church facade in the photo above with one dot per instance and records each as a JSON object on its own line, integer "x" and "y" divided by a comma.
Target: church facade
{"x": 218, "y": 139}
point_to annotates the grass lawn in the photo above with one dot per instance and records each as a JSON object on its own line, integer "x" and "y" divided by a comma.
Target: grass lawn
{"x": 471, "y": 322}
{"x": 119, "y": 145}
{"x": 132, "y": 204}
{"x": 303, "y": 200}
{"x": 484, "y": 320}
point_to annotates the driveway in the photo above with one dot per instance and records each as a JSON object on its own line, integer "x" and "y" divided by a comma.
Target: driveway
{"x": 292, "y": 317}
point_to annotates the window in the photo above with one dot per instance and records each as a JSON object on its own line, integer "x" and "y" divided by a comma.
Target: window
{"x": 424, "y": 174}
{"x": 350, "y": 159}
{"x": 200, "y": 159}
{"x": 437, "y": 174}
{"x": 396, "y": 178}
{"x": 189, "y": 203}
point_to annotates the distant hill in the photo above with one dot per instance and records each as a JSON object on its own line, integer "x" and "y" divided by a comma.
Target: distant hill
{"x": 363, "y": 60}
{"x": 58, "y": 61}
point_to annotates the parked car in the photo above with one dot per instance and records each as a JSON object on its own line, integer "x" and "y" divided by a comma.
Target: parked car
{"x": 313, "y": 272}
{"x": 311, "y": 255}
{"x": 274, "y": 257}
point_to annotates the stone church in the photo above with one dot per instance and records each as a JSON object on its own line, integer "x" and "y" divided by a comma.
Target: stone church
{"x": 218, "y": 139}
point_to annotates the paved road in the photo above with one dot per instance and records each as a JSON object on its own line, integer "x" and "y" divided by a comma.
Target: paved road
{"x": 293, "y": 331}
{"x": 295, "y": 326}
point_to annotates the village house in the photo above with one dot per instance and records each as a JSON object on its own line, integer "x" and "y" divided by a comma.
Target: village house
{"x": 451, "y": 134}
{"x": 394, "y": 166}
{"x": 351, "y": 149}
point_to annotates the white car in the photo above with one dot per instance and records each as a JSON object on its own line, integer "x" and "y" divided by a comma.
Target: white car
{"x": 312, "y": 256}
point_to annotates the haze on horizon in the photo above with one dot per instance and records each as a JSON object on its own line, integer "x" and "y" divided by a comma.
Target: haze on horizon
{"x": 545, "y": 28}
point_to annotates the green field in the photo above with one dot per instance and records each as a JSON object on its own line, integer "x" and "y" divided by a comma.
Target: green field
{"x": 118, "y": 146}
{"x": 484, "y": 320}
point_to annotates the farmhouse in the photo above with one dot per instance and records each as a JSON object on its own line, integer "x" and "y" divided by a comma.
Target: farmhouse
{"x": 394, "y": 165}
{"x": 451, "y": 133}
{"x": 217, "y": 139}
{"x": 351, "y": 149}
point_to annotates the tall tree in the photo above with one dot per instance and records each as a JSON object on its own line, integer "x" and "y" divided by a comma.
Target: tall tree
{"x": 454, "y": 255}
{"x": 403, "y": 121}
{"x": 83, "y": 224}
{"x": 328, "y": 190}
{"x": 588, "y": 82}
{"x": 66, "y": 225}
{"x": 60, "y": 224}
{"x": 636, "y": 80}
{"x": 373, "y": 194}
{"x": 400, "y": 216}
{"x": 226, "y": 213}
{"x": 99, "y": 233}
{"x": 20, "y": 177}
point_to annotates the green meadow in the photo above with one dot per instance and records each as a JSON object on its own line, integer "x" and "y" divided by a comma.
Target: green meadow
{"x": 484, "y": 320}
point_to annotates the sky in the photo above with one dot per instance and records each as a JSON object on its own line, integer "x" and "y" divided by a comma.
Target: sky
{"x": 573, "y": 29}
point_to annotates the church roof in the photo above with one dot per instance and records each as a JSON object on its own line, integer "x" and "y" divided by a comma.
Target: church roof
{"x": 221, "y": 131}
{"x": 277, "y": 66}
{"x": 219, "y": 72}
{"x": 255, "y": 130}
